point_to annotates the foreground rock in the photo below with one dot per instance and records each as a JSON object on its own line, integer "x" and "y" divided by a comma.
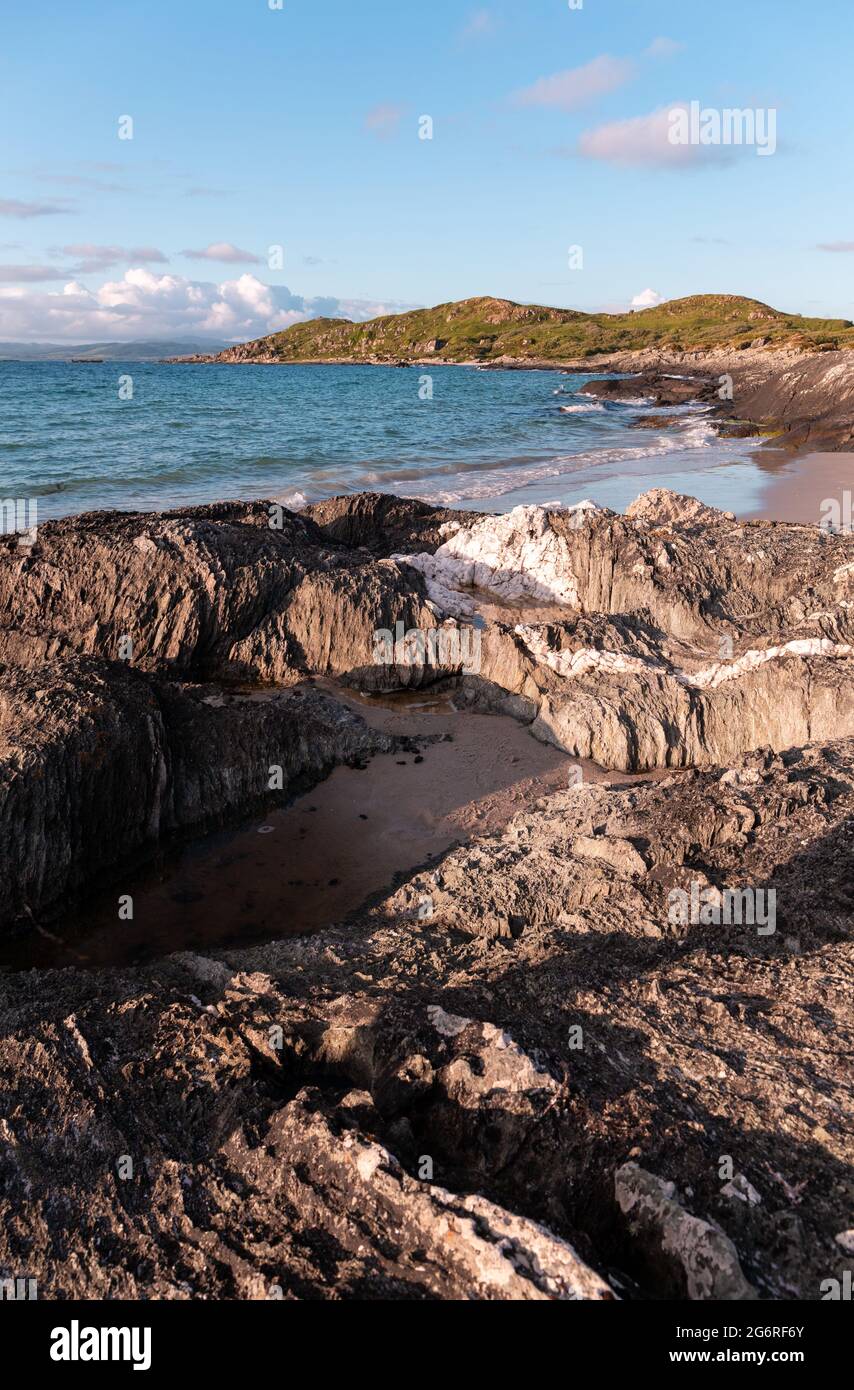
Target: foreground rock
{"x": 444, "y": 1106}
{"x": 695, "y": 1257}
{"x": 237, "y": 591}
{"x": 671, "y": 637}
{"x": 602, "y": 1053}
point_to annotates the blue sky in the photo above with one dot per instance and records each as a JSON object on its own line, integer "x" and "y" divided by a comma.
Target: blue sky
{"x": 255, "y": 127}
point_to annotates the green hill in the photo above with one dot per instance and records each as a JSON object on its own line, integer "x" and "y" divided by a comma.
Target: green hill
{"x": 486, "y": 329}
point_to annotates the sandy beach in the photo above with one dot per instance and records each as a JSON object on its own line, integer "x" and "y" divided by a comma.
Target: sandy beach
{"x": 796, "y": 488}
{"x": 300, "y": 868}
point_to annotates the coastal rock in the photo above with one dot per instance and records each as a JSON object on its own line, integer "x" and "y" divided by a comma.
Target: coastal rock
{"x": 346, "y": 1100}
{"x": 380, "y": 522}
{"x": 700, "y": 1260}
{"x": 805, "y": 397}
{"x": 652, "y": 388}
{"x": 240, "y": 591}
{"x": 674, "y": 636}
{"x": 356, "y": 1192}
{"x": 671, "y": 637}
{"x": 99, "y": 764}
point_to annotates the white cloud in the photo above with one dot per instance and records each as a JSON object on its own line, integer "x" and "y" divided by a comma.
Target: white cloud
{"x": 577, "y": 86}
{"x": 643, "y": 141}
{"x": 384, "y": 120}
{"x": 143, "y": 304}
{"x": 224, "y": 252}
{"x": 647, "y": 299}
{"x": 664, "y": 48}
{"x": 843, "y": 246}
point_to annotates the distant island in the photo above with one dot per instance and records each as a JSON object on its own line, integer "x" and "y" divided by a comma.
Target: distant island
{"x": 500, "y": 331}
{"x": 150, "y": 350}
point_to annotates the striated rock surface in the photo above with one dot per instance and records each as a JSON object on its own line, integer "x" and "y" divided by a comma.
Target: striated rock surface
{"x": 612, "y": 1058}
{"x": 241, "y": 591}
{"x": 445, "y": 1107}
{"x": 99, "y": 764}
{"x": 671, "y": 637}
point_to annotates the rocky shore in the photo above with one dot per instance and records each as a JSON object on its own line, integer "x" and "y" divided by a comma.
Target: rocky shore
{"x": 801, "y": 399}
{"x": 531, "y": 1069}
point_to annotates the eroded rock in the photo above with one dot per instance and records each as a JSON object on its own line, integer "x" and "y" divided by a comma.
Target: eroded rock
{"x": 697, "y": 1258}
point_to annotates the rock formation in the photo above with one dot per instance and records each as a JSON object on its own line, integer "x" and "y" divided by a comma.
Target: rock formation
{"x": 595, "y": 1069}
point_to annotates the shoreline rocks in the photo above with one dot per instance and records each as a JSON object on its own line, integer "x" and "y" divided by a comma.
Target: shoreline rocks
{"x": 673, "y": 636}
{"x": 499, "y": 1098}
{"x": 311, "y": 1117}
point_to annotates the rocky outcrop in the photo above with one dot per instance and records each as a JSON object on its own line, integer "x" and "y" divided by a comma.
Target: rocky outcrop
{"x": 806, "y": 399}
{"x": 231, "y": 591}
{"x": 654, "y": 388}
{"x": 671, "y": 637}
{"x": 611, "y": 1059}
{"x": 414, "y": 1107}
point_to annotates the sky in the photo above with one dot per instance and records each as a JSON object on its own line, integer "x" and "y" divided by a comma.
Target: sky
{"x": 277, "y": 169}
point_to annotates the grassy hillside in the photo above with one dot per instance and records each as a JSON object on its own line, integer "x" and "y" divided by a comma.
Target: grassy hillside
{"x": 485, "y": 329}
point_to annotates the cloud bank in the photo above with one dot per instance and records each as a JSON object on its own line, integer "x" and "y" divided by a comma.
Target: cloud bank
{"x": 143, "y": 304}
{"x": 224, "y": 252}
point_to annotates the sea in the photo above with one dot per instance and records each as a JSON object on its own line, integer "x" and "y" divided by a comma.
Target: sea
{"x": 77, "y": 437}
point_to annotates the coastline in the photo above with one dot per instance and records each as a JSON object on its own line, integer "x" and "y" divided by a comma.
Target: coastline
{"x": 393, "y": 892}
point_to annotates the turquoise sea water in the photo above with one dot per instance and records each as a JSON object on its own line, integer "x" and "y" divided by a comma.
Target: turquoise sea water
{"x": 73, "y": 437}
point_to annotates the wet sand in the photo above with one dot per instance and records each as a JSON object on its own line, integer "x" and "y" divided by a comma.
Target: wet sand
{"x": 796, "y": 487}
{"x": 316, "y": 861}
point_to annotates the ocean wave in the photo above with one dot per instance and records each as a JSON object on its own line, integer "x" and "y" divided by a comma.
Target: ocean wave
{"x": 698, "y": 435}
{"x": 594, "y": 408}
{"x": 293, "y": 500}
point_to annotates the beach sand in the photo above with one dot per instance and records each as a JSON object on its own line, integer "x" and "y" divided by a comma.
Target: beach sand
{"x": 797, "y": 487}
{"x": 299, "y": 869}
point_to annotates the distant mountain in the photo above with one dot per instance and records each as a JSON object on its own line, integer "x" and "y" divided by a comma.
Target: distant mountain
{"x": 111, "y": 352}
{"x": 485, "y": 330}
